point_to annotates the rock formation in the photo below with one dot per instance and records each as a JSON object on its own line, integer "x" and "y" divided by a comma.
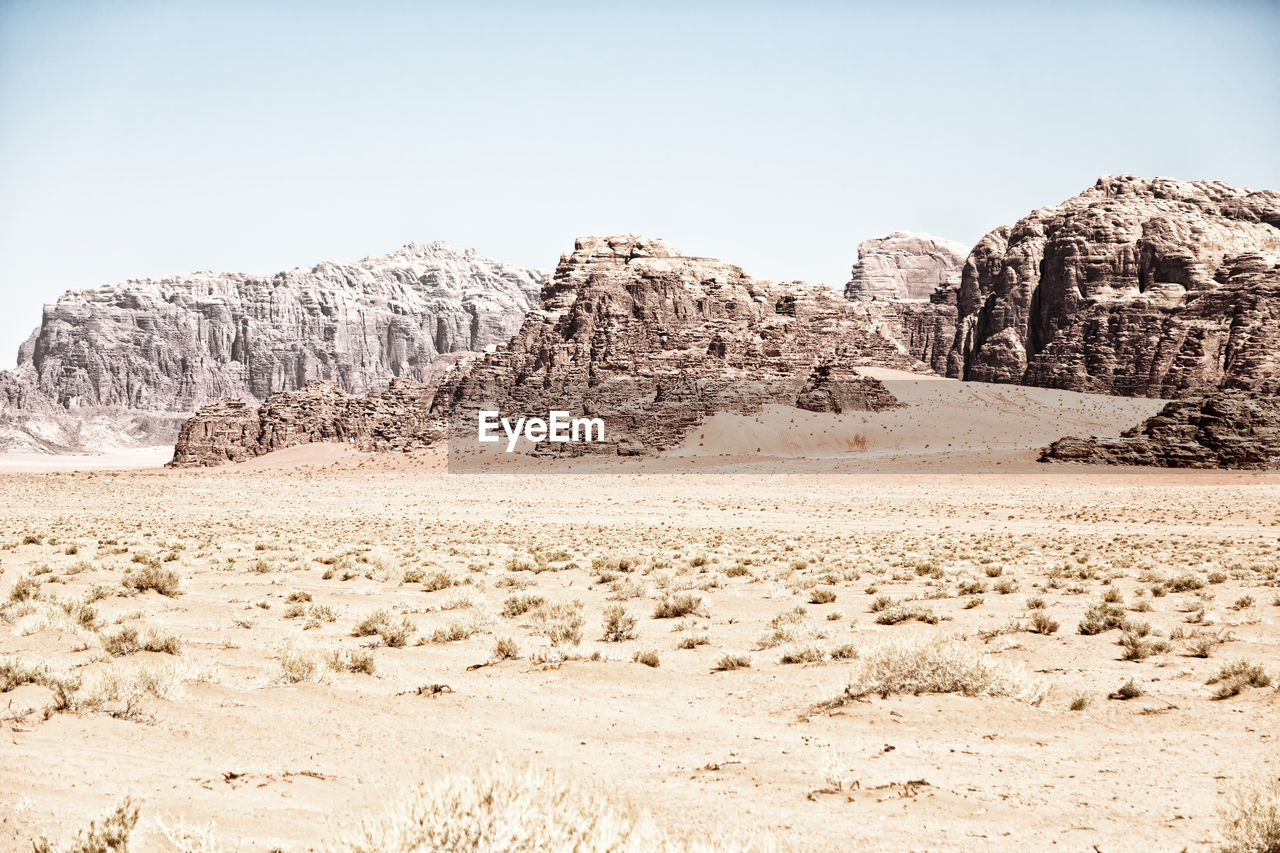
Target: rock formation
{"x": 174, "y": 344}
{"x": 1228, "y": 429}
{"x": 1138, "y": 287}
{"x": 651, "y": 341}
{"x": 167, "y": 346}
{"x": 230, "y": 430}
{"x": 918, "y": 274}
{"x": 905, "y": 265}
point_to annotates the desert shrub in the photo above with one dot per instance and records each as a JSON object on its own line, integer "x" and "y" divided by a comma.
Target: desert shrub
{"x": 939, "y": 666}
{"x": 1005, "y": 586}
{"x": 111, "y": 835}
{"x": 123, "y": 641}
{"x": 737, "y": 570}
{"x": 152, "y": 576}
{"x": 971, "y": 586}
{"x": 803, "y": 654}
{"x": 846, "y": 651}
{"x": 26, "y": 588}
{"x": 1238, "y": 676}
{"x": 503, "y": 808}
{"x": 1080, "y": 702}
{"x": 789, "y": 626}
{"x": 733, "y": 660}
{"x": 678, "y": 605}
{"x": 648, "y": 657}
{"x": 1101, "y": 617}
{"x": 506, "y": 648}
{"x": 1217, "y": 577}
{"x": 1202, "y": 643}
{"x": 1249, "y": 818}
{"x": 822, "y": 596}
{"x": 14, "y": 673}
{"x": 619, "y": 625}
{"x": 1041, "y": 623}
{"x": 437, "y": 580}
{"x": 905, "y": 611}
{"x": 1128, "y": 690}
{"x": 1184, "y": 583}
{"x": 452, "y": 633}
{"x": 354, "y": 660}
{"x": 692, "y": 642}
{"x": 158, "y": 640}
{"x": 560, "y": 622}
{"x": 1137, "y": 645}
{"x": 1112, "y": 595}
{"x": 518, "y": 605}
{"x": 299, "y": 663}
{"x": 298, "y": 597}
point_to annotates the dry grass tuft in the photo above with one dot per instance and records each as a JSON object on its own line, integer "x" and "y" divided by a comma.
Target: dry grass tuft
{"x": 505, "y": 809}
{"x": 1250, "y": 818}
{"x": 939, "y": 666}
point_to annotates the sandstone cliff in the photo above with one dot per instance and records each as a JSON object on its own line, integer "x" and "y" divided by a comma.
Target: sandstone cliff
{"x": 1155, "y": 288}
{"x": 126, "y": 364}
{"x": 1229, "y": 429}
{"x": 230, "y": 430}
{"x": 651, "y": 341}
{"x": 917, "y": 274}
{"x": 173, "y": 344}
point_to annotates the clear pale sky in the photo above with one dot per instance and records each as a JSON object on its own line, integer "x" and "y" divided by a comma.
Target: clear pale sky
{"x": 143, "y": 138}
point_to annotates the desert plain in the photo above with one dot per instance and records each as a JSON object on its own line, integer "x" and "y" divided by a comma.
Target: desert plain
{"x": 740, "y": 638}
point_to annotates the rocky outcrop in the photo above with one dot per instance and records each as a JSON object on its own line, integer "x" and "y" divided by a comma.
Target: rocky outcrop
{"x": 905, "y": 265}
{"x": 1139, "y": 287}
{"x": 174, "y": 344}
{"x": 927, "y": 329}
{"x": 31, "y": 422}
{"x": 1229, "y": 429}
{"x": 918, "y": 275}
{"x": 651, "y": 341}
{"x": 230, "y": 430}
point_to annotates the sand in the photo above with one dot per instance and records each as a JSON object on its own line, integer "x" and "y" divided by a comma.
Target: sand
{"x": 975, "y": 532}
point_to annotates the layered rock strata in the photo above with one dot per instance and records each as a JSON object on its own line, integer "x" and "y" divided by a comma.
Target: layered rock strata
{"x": 1229, "y": 429}
{"x": 905, "y": 265}
{"x": 1140, "y": 287}
{"x": 230, "y": 430}
{"x": 174, "y": 344}
{"x": 651, "y": 341}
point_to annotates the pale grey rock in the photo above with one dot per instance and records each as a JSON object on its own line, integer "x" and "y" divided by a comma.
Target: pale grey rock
{"x": 905, "y": 265}
{"x": 174, "y": 344}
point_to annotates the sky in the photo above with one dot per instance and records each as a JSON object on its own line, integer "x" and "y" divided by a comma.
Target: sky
{"x": 151, "y": 138}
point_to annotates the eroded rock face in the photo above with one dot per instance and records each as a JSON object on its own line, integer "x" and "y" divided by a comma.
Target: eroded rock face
{"x": 1229, "y": 429}
{"x": 905, "y": 265}
{"x": 1139, "y": 287}
{"x": 174, "y": 344}
{"x": 230, "y": 430}
{"x": 652, "y": 342}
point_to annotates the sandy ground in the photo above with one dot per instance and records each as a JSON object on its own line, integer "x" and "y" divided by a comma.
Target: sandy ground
{"x": 975, "y": 533}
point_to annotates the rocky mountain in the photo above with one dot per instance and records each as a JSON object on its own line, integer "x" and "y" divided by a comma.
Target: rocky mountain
{"x": 905, "y": 265}
{"x": 652, "y": 342}
{"x": 917, "y": 274}
{"x": 229, "y": 430}
{"x": 1143, "y": 287}
{"x": 166, "y": 346}
{"x": 1228, "y": 429}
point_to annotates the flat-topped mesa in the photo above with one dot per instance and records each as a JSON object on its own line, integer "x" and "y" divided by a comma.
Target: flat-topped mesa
{"x": 229, "y": 430}
{"x": 1228, "y": 429}
{"x": 652, "y": 341}
{"x": 1143, "y": 287}
{"x": 905, "y": 265}
{"x": 172, "y": 344}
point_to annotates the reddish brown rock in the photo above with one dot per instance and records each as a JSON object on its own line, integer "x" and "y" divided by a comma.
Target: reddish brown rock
{"x": 1141, "y": 287}
{"x": 229, "y": 430}
{"x": 652, "y": 342}
{"x": 1229, "y": 429}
